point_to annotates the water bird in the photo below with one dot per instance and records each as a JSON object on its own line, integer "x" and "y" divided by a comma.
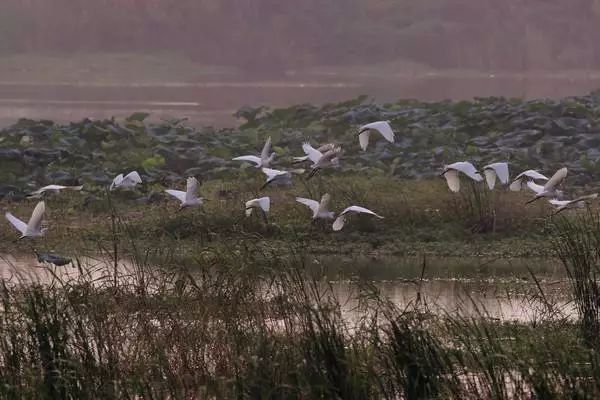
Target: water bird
{"x": 320, "y": 209}
{"x": 130, "y": 180}
{"x": 322, "y": 149}
{"x": 579, "y": 202}
{"x": 496, "y": 170}
{"x": 323, "y": 160}
{"x": 451, "y": 174}
{"x": 52, "y": 258}
{"x": 339, "y": 222}
{"x": 549, "y": 189}
{"x": 278, "y": 177}
{"x": 262, "y": 203}
{"x": 33, "y": 228}
{"x": 52, "y": 189}
{"x": 265, "y": 159}
{"x": 524, "y": 177}
{"x": 383, "y": 127}
{"x": 189, "y": 198}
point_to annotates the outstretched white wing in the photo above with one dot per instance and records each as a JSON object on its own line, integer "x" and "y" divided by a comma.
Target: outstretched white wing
{"x": 17, "y": 223}
{"x": 314, "y": 205}
{"x": 313, "y": 154}
{"x": 272, "y": 173}
{"x": 358, "y": 209}
{"x": 178, "y": 194}
{"x": 253, "y": 159}
{"x": 556, "y": 179}
{"x": 384, "y": 128}
{"x": 133, "y": 177}
{"x": 515, "y": 186}
{"x": 452, "y": 180}
{"x": 532, "y": 174}
{"x": 363, "y": 139}
{"x": 35, "y": 222}
{"x": 116, "y": 182}
{"x": 324, "y": 204}
{"x": 490, "y": 177}
{"x": 466, "y": 168}
{"x": 537, "y": 189}
{"x": 501, "y": 170}
{"x": 266, "y": 149}
{"x": 559, "y": 203}
{"x": 191, "y": 189}
{"x": 264, "y": 203}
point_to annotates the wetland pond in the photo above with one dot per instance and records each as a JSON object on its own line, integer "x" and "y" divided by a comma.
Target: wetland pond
{"x": 518, "y": 289}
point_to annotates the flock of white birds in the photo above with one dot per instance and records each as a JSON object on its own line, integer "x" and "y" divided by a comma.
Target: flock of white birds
{"x": 327, "y": 155}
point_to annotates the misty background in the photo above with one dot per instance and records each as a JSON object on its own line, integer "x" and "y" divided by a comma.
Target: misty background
{"x": 66, "y": 59}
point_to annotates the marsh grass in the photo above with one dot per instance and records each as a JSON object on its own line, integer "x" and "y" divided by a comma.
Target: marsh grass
{"x": 252, "y": 321}
{"x": 577, "y": 244}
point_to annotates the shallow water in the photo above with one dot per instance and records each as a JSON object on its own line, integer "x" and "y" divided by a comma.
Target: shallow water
{"x": 470, "y": 287}
{"x": 213, "y": 103}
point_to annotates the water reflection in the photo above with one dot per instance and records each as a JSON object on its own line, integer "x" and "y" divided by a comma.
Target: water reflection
{"x": 504, "y": 298}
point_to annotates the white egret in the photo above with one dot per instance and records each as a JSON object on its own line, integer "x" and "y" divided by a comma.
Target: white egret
{"x": 128, "y": 181}
{"x": 568, "y": 204}
{"x": 52, "y": 189}
{"x": 496, "y": 170}
{"x": 33, "y": 228}
{"x": 323, "y": 149}
{"x": 451, "y": 174}
{"x": 265, "y": 159}
{"x": 189, "y": 198}
{"x": 320, "y": 209}
{"x": 535, "y": 188}
{"x": 526, "y": 176}
{"x": 338, "y": 224}
{"x": 383, "y": 127}
{"x": 549, "y": 189}
{"x": 279, "y": 177}
{"x": 322, "y": 160}
{"x": 262, "y": 203}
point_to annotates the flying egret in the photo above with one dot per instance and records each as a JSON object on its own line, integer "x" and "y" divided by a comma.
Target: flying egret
{"x": 529, "y": 175}
{"x": 279, "y": 177}
{"x": 128, "y": 181}
{"x": 535, "y": 188}
{"x": 320, "y": 209}
{"x": 33, "y": 228}
{"x": 262, "y": 203}
{"x": 52, "y": 189}
{"x": 323, "y": 149}
{"x": 568, "y": 204}
{"x": 549, "y": 189}
{"x": 338, "y": 224}
{"x": 382, "y": 127}
{"x": 451, "y": 174}
{"x": 189, "y": 198}
{"x": 322, "y": 160}
{"x": 496, "y": 170}
{"x": 265, "y": 159}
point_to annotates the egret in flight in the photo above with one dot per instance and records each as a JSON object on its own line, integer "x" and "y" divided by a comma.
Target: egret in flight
{"x": 339, "y": 222}
{"x": 33, "y": 228}
{"x": 496, "y": 170}
{"x": 322, "y": 160}
{"x": 265, "y": 159}
{"x": 278, "y": 177}
{"x": 130, "y": 180}
{"x": 262, "y": 203}
{"x": 383, "y": 127}
{"x": 52, "y": 189}
{"x": 320, "y": 209}
{"x": 524, "y": 177}
{"x": 323, "y": 149}
{"x": 550, "y": 188}
{"x": 451, "y": 174}
{"x": 568, "y": 204}
{"x": 189, "y": 198}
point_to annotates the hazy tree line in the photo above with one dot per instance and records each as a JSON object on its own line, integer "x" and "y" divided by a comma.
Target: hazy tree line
{"x": 272, "y": 35}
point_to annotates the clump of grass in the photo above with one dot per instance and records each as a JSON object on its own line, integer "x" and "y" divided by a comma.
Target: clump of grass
{"x": 576, "y": 241}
